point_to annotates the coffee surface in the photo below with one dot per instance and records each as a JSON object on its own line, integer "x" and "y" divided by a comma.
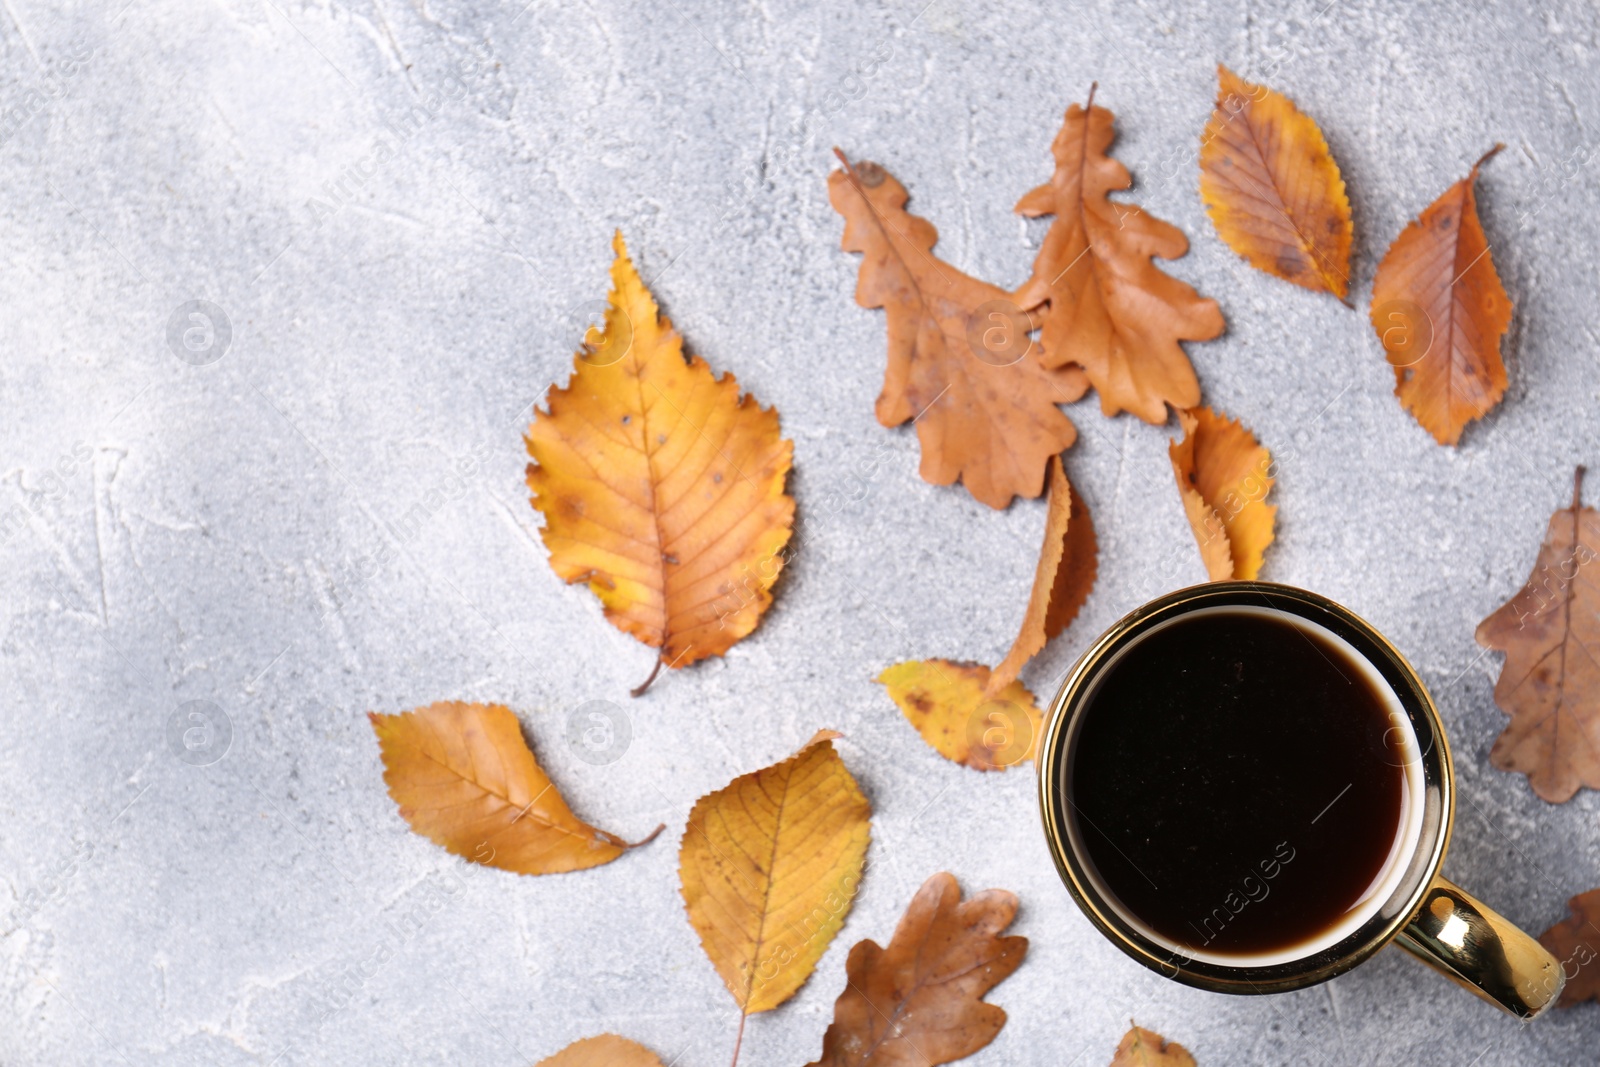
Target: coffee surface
{"x": 1236, "y": 782}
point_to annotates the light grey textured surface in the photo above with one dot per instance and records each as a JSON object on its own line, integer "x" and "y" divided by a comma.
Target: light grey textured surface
{"x": 330, "y": 518}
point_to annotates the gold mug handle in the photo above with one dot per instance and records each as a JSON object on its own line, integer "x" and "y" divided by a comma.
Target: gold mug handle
{"x": 1466, "y": 940}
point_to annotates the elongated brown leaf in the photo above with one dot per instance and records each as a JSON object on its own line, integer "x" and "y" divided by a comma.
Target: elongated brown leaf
{"x": 1106, "y": 306}
{"x": 1068, "y": 562}
{"x": 769, "y": 866}
{"x": 1145, "y": 1048}
{"x": 1273, "y": 189}
{"x": 1440, "y": 312}
{"x": 919, "y": 1002}
{"x": 960, "y": 356}
{"x": 1550, "y": 683}
{"x": 1575, "y": 942}
{"x": 1223, "y": 477}
{"x": 466, "y": 780}
{"x": 607, "y": 1050}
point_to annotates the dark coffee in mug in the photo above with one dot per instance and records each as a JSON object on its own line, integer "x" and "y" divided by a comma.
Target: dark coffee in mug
{"x": 1245, "y": 785}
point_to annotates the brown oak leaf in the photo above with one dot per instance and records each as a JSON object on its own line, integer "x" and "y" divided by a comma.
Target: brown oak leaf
{"x": 1550, "y": 683}
{"x": 1440, "y": 312}
{"x": 1575, "y": 942}
{"x": 919, "y": 1002}
{"x": 961, "y": 362}
{"x": 1105, "y": 305}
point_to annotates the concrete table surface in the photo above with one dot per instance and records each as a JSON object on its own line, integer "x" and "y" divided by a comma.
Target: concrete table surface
{"x": 307, "y": 503}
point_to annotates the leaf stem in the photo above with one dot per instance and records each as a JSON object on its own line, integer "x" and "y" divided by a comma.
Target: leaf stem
{"x": 638, "y": 690}
{"x": 739, "y": 1041}
{"x": 1577, "y": 488}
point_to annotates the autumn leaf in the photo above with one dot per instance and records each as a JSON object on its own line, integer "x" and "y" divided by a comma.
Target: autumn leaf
{"x": 1145, "y": 1048}
{"x": 919, "y": 1002}
{"x": 1105, "y": 305}
{"x": 960, "y": 363}
{"x": 951, "y": 708}
{"x": 660, "y": 487}
{"x": 1440, "y": 311}
{"x": 466, "y": 780}
{"x": 1068, "y": 562}
{"x": 607, "y": 1050}
{"x": 1272, "y": 188}
{"x": 1575, "y": 941}
{"x": 769, "y": 868}
{"x": 1550, "y": 683}
{"x": 1222, "y": 477}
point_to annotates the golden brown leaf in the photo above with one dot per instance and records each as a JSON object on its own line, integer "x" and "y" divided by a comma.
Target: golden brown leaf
{"x": 770, "y": 865}
{"x": 607, "y": 1050}
{"x": 1272, "y": 188}
{"x": 919, "y": 1002}
{"x": 960, "y": 353}
{"x": 1223, "y": 478}
{"x": 1575, "y": 941}
{"x": 1550, "y": 683}
{"x": 1440, "y": 311}
{"x": 1068, "y": 562}
{"x": 466, "y": 780}
{"x": 1145, "y": 1048}
{"x": 660, "y": 486}
{"x": 1110, "y": 309}
{"x": 951, "y": 708}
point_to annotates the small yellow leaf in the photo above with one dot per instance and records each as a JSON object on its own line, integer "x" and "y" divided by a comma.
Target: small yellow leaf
{"x": 948, "y": 705}
{"x": 607, "y": 1050}
{"x": 466, "y": 780}
{"x": 1145, "y": 1048}
{"x": 660, "y": 486}
{"x": 770, "y": 865}
{"x": 1223, "y": 477}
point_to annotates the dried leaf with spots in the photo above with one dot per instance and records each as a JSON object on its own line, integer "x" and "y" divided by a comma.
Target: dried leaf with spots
{"x": 961, "y": 363}
{"x": 1105, "y": 305}
{"x": 1440, "y": 312}
{"x": 919, "y": 1002}
{"x": 1272, "y": 188}
{"x": 1145, "y": 1048}
{"x": 607, "y": 1050}
{"x": 951, "y": 707}
{"x": 465, "y": 779}
{"x": 661, "y": 487}
{"x": 1224, "y": 477}
{"x": 1550, "y": 683}
{"x": 1068, "y": 562}
{"x": 1575, "y": 942}
{"x": 769, "y": 867}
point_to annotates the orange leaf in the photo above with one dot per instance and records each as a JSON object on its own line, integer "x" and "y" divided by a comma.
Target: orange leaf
{"x": 959, "y": 350}
{"x": 1575, "y": 941}
{"x": 1111, "y": 310}
{"x": 1272, "y": 188}
{"x": 1550, "y": 683}
{"x": 919, "y": 1002}
{"x": 607, "y": 1050}
{"x": 1067, "y": 566}
{"x": 466, "y": 780}
{"x": 660, "y": 487}
{"x": 951, "y": 707}
{"x": 1145, "y": 1048}
{"x": 1440, "y": 311}
{"x": 1223, "y": 478}
{"x": 769, "y": 867}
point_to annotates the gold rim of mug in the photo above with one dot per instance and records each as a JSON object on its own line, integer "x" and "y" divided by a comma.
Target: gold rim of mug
{"x": 1437, "y": 766}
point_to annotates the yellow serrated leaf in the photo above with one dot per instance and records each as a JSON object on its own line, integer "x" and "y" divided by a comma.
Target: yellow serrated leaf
{"x": 950, "y": 708}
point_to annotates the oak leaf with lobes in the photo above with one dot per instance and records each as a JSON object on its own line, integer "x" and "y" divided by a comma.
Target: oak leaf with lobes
{"x": 1575, "y": 941}
{"x": 1440, "y": 311}
{"x": 1105, "y": 305}
{"x": 1550, "y": 683}
{"x": 769, "y": 867}
{"x": 919, "y": 1002}
{"x": 660, "y": 487}
{"x": 960, "y": 360}
{"x": 466, "y": 780}
{"x": 1272, "y": 188}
